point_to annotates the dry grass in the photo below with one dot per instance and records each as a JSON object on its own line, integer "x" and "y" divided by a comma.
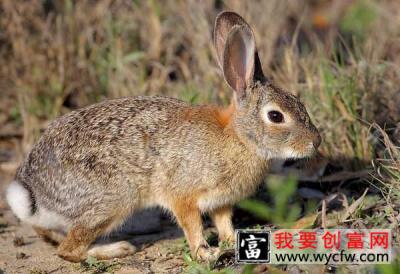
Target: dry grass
{"x": 342, "y": 57}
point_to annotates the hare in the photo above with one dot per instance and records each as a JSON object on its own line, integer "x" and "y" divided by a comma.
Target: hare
{"x": 94, "y": 167}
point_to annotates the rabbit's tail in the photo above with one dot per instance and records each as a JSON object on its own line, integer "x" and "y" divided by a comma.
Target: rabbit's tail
{"x": 23, "y": 203}
{"x": 21, "y": 200}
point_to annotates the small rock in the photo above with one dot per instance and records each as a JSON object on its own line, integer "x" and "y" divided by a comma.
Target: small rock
{"x": 20, "y": 255}
{"x": 18, "y": 241}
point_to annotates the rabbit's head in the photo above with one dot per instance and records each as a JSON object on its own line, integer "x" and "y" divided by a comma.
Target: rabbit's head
{"x": 268, "y": 119}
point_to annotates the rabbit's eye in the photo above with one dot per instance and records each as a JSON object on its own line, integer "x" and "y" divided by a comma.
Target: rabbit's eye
{"x": 275, "y": 116}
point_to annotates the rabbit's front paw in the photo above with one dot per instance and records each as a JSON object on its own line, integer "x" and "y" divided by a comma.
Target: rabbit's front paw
{"x": 206, "y": 253}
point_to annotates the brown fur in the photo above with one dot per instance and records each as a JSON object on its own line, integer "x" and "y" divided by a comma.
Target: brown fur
{"x": 78, "y": 239}
{"x": 188, "y": 216}
{"x": 224, "y": 115}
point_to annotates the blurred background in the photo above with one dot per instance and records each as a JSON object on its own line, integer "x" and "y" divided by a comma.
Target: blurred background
{"x": 342, "y": 57}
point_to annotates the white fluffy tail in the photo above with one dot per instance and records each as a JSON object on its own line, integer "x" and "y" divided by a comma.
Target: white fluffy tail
{"x": 19, "y": 200}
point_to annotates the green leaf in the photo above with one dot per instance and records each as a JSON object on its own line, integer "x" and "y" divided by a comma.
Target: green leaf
{"x": 258, "y": 208}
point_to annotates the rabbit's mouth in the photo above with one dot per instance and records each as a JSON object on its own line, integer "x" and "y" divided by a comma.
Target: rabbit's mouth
{"x": 286, "y": 155}
{"x": 291, "y": 154}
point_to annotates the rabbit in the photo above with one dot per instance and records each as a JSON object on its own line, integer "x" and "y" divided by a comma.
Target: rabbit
{"x": 96, "y": 166}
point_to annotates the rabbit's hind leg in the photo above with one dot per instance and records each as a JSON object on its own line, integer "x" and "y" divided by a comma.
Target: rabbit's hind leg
{"x": 75, "y": 245}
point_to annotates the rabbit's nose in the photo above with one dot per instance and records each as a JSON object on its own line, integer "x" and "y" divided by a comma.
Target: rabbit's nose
{"x": 317, "y": 140}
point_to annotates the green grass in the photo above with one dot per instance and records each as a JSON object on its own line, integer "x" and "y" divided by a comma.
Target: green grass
{"x": 194, "y": 267}
{"x": 280, "y": 211}
{"x": 94, "y": 266}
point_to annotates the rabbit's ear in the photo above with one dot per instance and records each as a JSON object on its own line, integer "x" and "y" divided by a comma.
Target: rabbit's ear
{"x": 224, "y": 23}
{"x": 238, "y": 59}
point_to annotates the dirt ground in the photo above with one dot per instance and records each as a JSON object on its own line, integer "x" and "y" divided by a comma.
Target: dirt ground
{"x": 23, "y": 252}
